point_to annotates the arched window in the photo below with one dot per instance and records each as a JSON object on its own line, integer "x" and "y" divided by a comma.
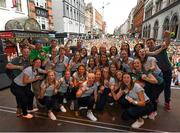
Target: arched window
{"x": 166, "y": 24}
{"x": 156, "y": 28}
{"x": 149, "y": 31}
{"x": 144, "y": 31}
{"x": 174, "y": 25}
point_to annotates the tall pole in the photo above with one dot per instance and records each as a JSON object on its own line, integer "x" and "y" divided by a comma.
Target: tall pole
{"x": 79, "y": 16}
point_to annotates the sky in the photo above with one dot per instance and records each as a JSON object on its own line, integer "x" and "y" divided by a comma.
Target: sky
{"x": 115, "y": 13}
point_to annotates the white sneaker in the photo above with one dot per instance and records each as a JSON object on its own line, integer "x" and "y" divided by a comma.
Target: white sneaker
{"x": 91, "y": 116}
{"x": 72, "y": 106}
{"x": 62, "y": 108}
{"x": 81, "y": 108}
{"x": 52, "y": 116}
{"x": 145, "y": 117}
{"x": 33, "y": 110}
{"x": 152, "y": 115}
{"x": 137, "y": 123}
{"x": 64, "y": 100}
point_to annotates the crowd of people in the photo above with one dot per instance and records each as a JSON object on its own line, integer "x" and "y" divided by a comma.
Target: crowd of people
{"x": 97, "y": 73}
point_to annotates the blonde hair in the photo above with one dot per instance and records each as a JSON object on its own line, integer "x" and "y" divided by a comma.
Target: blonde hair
{"x": 55, "y": 81}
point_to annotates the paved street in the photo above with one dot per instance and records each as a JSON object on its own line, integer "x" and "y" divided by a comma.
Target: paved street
{"x": 108, "y": 121}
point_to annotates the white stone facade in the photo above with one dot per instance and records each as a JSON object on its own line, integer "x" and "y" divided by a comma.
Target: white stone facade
{"x": 69, "y": 16}
{"x": 155, "y": 24}
{"x": 124, "y": 27}
{"x": 8, "y": 12}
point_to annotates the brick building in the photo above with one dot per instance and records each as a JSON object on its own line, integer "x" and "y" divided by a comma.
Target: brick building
{"x": 41, "y": 10}
{"x": 138, "y": 18}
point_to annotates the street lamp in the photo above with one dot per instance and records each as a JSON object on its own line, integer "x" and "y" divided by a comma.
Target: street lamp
{"x": 103, "y": 6}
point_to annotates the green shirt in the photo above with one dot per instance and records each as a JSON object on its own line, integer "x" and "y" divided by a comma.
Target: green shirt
{"x": 177, "y": 64}
{"x": 37, "y": 54}
{"x": 47, "y": 49}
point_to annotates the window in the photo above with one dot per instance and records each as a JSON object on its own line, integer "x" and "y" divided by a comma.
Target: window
{"x": 71, "y": 13}
{"x": 158, "y": 5}
{"x": 41, "y": 3}
{"x": 166, "y": 24}
{"x": 168, "y": 2}
{"x": 174, "y": 26}
{"x": 75, "y": 14}
{"x": 149, "y": 31}
{"x": 2, "y": 3}
{"x": 148, "y": 10}
{"x": 18, "y": 5}
{"x": 43, "y": 22}
{"x": 67, "y": 11}
{"x": 156, "y": 27}
{"x": 144, "y": 31}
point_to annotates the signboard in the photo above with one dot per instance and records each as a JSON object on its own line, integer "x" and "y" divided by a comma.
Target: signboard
{"x": 41, "y": 12}
{"x": 7, "y": 35}
{"x": 27, "y": 35}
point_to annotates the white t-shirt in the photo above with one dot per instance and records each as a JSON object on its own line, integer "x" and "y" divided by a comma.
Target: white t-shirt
{"x": 28, "y": 71}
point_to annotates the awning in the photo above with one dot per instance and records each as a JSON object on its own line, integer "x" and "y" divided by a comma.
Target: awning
{"x": 24, "y": 24}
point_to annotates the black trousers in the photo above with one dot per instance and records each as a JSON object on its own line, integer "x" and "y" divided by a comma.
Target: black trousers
{"x": 49, "y": 101}
{"x": 133, "y": 112}
{"x": 153, "y": 91}
{"x": 86, "y": 102}
{"x": 167, "y": 76}
{"x": 24, "y": 97}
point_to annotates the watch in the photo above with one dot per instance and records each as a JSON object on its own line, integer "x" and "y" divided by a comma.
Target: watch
{"x": 135, "y": 102}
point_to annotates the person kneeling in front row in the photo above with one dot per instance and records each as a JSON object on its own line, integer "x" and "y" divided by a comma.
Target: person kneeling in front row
{"x": 48, "y": 93}
{"x": 134, "y": 100}
{"x": 86, "y": 95}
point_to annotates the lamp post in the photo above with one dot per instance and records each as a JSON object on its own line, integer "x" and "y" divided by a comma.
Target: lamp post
{"x": 79, "y": 16}
{"x": 103, "y": 6}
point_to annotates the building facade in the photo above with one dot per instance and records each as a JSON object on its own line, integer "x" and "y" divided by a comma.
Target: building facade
{"x": 41, "y": 10}
{"x": 161, "y": 15}
{"x": 11, "y": 9}
{"x": 130, "y": 22}
{"x": 98, "y": 25}
{"x": 138, "y": 18}
{"x": 69, "y": 18}
{"x": 123, "y": 29}
{"x": 89, "y": 19}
